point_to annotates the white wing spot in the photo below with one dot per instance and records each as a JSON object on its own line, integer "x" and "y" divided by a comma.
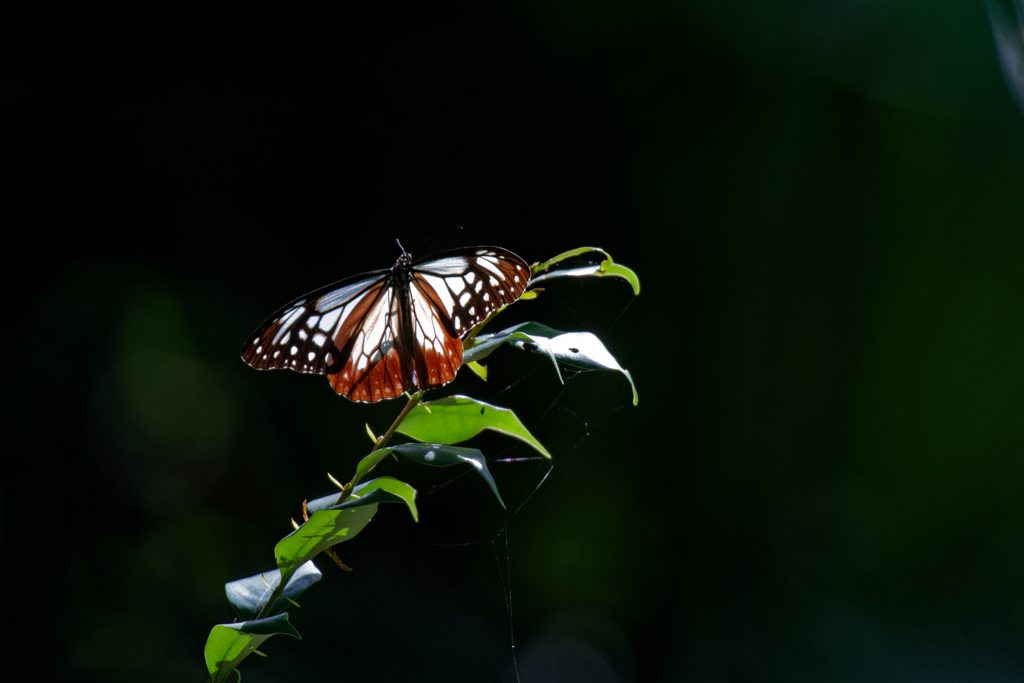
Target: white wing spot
{"x": 319, "y": 339}
{"x": 516, "y": 278}
{"x": 302, "y": 335}
{"x": 491, "y": 265}
{"x": 451, "y": 265}
{"x": 312, "y": 321}
{"x": 464, "y": 299}
{"x": 259, "y": 349}
{"x": 470, "y": 277}
{"x": 494, "y": 283}
{"x": 442, "y": 292}
{"x": 345, "y": 295}
{"x": 487, "y": 297}
{"x": 277, "y": 353}
{"x": 328, "y": 320}
{"x": 472, "y": 310}
{"x": 458, "y": 325}
{"x": 310, "y": 356}
{"x": 456, "y": 283}
{"x": 479, "y": 285}
{"x": 287, "y": 336}
{"x": 375, "y": 330}
{"x": 294, "y": 350}
{"x": 287, "y": 321}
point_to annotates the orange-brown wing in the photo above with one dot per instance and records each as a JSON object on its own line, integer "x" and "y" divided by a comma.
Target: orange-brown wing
{"x": 437, "y": 352}
{"x": 374, "y": 363}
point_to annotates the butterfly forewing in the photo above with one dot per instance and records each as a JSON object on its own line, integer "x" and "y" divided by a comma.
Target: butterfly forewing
{"x": 379, "y": 334}
{"x": 303, "y": 335}
{"x": 468, "y": 284}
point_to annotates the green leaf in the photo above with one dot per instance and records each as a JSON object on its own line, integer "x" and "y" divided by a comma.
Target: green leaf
{"x": 324, "y": 529}
{"x": 477, "y": 369}
{"x": 581, "y": 350}
{"x": 457, "y": 418}
{"x": 578, "y": 251}
{"x": 578, "y": 349}
{"x": 248, "y": 596}
{"x": 440, "y": 455}
{"x": 381, "y": 490}
{"x": 607, "y": 268}
{"x": 486, "y": 344}
{"x": 229, "y": 644}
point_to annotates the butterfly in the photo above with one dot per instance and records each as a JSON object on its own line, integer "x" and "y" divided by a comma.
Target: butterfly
{"x": 381, "y": 333}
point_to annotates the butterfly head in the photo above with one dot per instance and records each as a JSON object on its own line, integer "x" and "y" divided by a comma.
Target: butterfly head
{"x": 404, "y": 261}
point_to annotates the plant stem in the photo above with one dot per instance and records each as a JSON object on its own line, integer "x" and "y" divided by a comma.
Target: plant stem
{"x": 347, "y": 490}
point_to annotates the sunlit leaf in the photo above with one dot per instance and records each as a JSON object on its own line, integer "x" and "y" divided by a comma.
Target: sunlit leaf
{"x": 486, "y": 344}
{"x": 477, "y": 369}
{"x": 607, "y": 268}
{"x": 581, "y": 350}
{"x": 324, "y": 529}
{"x": 578, "y": 251}
{"x": 458, "y": 418}
{"x": 441, "y": 455}
{"x": 601, "y": 270}
{"x": 248, "y": 596}
{"x": 382, "y": 490}
{"x": 578, "y": 349}
{"x": 229, "y": 644}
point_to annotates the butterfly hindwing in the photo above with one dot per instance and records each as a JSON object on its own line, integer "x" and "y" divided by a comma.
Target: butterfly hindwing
{"x": 372, "y": 353}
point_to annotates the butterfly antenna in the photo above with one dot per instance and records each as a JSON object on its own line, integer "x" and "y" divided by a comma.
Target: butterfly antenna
{"x": 436, "y": 235}
{"x": 400, "y": 245}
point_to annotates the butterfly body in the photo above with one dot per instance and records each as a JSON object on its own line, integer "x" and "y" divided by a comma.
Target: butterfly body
{"x": 379, "y": 334}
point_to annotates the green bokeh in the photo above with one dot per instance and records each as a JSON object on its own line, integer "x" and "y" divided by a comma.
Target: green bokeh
{"x": 825, "y": 203}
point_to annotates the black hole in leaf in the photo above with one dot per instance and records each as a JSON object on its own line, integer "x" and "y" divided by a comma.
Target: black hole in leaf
{"x": 574, "y": 350}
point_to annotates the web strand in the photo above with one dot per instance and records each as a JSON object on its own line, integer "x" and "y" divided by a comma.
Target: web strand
{"x": 550, "y": 417}
{"x": 506, "y": 589}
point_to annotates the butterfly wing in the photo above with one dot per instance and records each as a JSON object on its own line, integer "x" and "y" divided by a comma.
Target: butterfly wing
{"x": 378, "y": 363}
{"x": 308, "y": 334}
{"x": 452, "y": 291}
{"x": 464, "y": 286}
{"x": 379, "y": 334}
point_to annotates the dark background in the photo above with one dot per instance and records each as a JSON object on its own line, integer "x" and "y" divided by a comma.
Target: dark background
{"x": 823, "y": 479}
